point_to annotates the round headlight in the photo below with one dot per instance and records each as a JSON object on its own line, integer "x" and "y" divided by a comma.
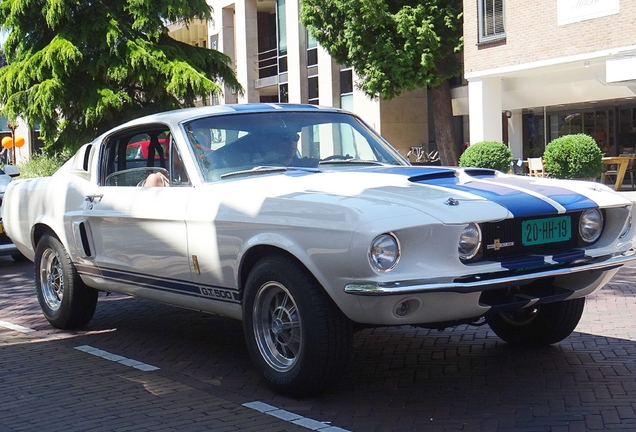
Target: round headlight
{"x": 384, "y": 252}
{"x": 469, "y": 242}
{"x": 591, "y": 225}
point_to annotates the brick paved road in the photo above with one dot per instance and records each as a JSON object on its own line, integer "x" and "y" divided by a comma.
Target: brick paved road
{"x": 400, "y": 379}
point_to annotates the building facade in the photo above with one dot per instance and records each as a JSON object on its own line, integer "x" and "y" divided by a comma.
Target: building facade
{"x": 276, "y": 60}
{"x": 550, "y": 68}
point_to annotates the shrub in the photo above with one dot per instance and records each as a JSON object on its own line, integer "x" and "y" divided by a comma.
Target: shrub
{"x": 43, "y": 165}
{"x": 573, "y": 157}
{"x": 487, "y": 154}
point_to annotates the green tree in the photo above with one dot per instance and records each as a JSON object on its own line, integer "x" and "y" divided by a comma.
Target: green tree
{"x": 3, "y": 61}
{"x": 77, "y": 68}
{"x": 395, "y": 45}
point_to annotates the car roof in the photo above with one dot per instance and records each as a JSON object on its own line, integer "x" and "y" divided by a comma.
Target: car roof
{"x": 192, "y": 113}
{"x": 184, "y": 114}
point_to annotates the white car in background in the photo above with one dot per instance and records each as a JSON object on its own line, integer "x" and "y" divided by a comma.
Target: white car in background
{"x": 305, "y": 224}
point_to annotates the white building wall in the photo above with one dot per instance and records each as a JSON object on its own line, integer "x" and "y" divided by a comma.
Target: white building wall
{"x": 328, "y": 79}
{"x": 296, "y": 54}
{"x": 246, "y": 48}
{"x": 484, "y": 102}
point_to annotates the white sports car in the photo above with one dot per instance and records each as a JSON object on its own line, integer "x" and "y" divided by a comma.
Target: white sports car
{"x": 306, "y": 225}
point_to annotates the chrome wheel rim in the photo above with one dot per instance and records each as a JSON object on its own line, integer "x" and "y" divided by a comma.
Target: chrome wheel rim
{"x": 277, "y": 326}
{"x": 51, "y": 279}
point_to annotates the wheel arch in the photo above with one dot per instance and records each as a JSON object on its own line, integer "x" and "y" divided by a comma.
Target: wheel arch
{"x": 255, "y": 253}
{"x": 40, "y": 230}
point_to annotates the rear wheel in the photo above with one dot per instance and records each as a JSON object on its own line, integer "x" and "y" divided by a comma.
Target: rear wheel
{"x": 297, "y": 338}
{"x": 65, "y": 300}
{"x": 540, "y": 325}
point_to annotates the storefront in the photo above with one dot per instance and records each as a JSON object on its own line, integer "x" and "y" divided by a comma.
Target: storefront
{"x": 613, "y": 127}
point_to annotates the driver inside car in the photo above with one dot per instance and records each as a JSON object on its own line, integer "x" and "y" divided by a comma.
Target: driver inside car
{"x": 283, "y": 150}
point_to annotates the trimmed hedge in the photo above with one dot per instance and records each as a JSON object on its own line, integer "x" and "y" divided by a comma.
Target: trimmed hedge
{"x": 487, "y": 154}
{"x": 573, "y": 157}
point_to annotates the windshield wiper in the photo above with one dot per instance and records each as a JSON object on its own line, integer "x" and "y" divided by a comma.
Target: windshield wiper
{"x": 350, "y": 161}
{"x": 266, "y": 170}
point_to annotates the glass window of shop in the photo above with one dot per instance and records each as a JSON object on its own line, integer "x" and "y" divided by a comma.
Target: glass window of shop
{"x": 614, "y": 129}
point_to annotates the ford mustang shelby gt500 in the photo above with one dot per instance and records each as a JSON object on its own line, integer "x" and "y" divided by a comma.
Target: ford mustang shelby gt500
{"x": 306, "y": 225}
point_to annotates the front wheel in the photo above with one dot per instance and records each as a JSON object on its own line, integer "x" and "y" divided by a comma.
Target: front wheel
{"x": 65, "y": 301}
{"x": 540, "y": 325}
{"x": 296, "y": 336}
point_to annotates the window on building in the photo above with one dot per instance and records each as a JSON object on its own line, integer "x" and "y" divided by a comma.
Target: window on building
{"x": 346, "y": 89}
{"x": 312, "y": 50}
{"x": 313, "y": 90}
{"x": 281, "y": 16}
{"x": 491, "y": 20}
{"x": 283, "y": 93}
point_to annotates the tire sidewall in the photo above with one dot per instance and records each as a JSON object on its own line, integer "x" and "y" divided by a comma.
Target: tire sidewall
{"x": 310, "y": 358}
{"x": 61, "y": 317}
{"x": 552, "y": 323}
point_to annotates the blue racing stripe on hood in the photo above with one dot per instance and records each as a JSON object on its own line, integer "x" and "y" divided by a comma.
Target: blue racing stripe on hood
{"x": 569, "y": 199}
{"x": 517, "y": 202}
{"x": 519, "y": 195}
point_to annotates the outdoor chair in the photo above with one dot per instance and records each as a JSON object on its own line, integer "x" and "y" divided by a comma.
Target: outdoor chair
{"x": 536, "y": 167}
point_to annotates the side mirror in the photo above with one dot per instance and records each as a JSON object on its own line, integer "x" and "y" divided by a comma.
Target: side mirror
{"x": 12, "y": 170}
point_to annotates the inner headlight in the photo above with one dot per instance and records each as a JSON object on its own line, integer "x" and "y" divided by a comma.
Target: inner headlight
{"x": 384, "y": 252}
{"x": 591, "y": 225}
{"x": 469, "y": 241}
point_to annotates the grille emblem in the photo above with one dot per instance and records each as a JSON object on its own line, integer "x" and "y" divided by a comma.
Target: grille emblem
{"x": 497, "y": 244}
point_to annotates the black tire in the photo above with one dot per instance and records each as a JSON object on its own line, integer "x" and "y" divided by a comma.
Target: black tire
{"x": 296, "y": 336}
{"x": 539, "y": 326}
{"x": 65, "y": 300}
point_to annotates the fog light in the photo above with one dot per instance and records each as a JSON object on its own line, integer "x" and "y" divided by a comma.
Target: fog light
{"x": 402, "y": 309}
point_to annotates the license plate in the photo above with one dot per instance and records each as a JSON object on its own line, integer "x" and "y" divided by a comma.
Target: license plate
{"x": 0, "y": 227}
{"x": 548, "y": 230}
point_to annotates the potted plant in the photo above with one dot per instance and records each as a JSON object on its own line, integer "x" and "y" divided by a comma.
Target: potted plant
{"x": 487, "y": 154}
{"x": 573, "y": 157}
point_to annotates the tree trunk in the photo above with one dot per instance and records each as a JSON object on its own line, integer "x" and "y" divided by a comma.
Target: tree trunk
{"x": 443, "y": 117}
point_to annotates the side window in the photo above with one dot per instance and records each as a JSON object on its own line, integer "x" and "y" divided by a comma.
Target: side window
{"x": 130, "y": 157}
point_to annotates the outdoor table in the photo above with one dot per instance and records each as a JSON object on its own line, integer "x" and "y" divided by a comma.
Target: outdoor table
{"x": 621, "y": 163}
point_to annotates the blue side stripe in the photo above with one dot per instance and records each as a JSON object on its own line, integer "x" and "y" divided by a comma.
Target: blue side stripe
{"x": 160, "y": 284}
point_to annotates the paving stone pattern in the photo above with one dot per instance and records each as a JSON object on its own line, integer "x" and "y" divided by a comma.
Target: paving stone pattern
{"x": 400, "y": 379}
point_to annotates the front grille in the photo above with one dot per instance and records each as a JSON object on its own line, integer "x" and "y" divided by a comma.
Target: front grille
{"x": 504, "y": 239}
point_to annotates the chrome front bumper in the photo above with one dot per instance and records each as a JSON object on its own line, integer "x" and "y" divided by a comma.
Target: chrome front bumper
{"x": 483, "y": 282}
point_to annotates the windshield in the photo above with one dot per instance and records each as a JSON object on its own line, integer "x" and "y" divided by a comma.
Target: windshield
{"x": 256, "y": 142}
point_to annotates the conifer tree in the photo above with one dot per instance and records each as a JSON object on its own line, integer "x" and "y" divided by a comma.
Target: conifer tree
{"x": 76, "y": 68}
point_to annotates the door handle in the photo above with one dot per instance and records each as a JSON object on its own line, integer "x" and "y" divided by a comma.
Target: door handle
{"x": 92, "y": 198}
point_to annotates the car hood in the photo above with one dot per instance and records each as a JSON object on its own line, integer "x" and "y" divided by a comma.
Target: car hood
{"x": 451, "y": 195}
